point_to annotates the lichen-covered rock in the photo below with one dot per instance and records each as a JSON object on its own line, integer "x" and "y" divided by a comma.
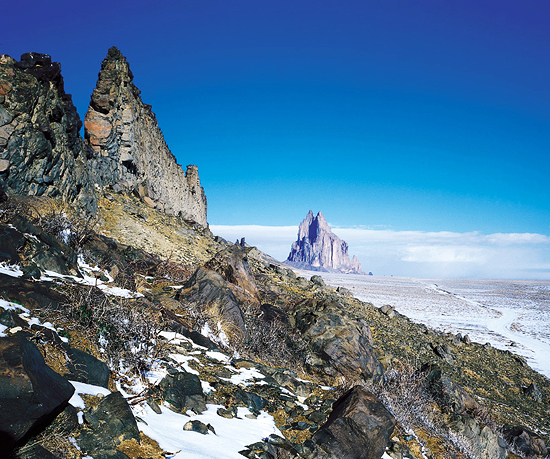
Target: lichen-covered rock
{"x": 208, "y": 291}
{"x": 128, "y": 148}
{"x": 183, "y": 391}
{"x": 359, "y": 427}
{"x": 341, "y": 344}
{"x": 41, "y": 151}
{"x": 319, "y": 249}
{"x": 107, "y": 426}
{"x": 525, "y": 441}
{"x": 482, "y": 441}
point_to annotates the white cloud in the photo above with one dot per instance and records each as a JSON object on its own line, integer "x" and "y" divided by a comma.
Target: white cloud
{"x": 420, "y": 253}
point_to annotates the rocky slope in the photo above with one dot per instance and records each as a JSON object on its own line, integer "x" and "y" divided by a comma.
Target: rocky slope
{"x": 128, "y": 148}
{"x": 319, "y": 365}
{"x": 319, "y": 249}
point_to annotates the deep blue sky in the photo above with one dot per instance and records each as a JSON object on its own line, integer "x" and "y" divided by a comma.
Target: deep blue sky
{"x": 424, "y": 115}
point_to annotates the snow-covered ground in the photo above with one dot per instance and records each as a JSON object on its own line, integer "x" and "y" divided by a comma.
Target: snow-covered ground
{"x": 512, "y": 315}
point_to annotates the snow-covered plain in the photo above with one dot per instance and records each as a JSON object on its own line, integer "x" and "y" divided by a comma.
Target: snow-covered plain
{"x": 513, "y": 315}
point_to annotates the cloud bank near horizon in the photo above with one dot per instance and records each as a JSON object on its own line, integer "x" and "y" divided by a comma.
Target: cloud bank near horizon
{"x": 419, "y": 253}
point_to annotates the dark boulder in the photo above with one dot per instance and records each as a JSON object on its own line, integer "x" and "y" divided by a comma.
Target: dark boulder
{"x": 86, "y": 368}
{"x": 11, "y": 242}
{"x": 341, "y": 344}
{"x": 358, "y": 427}
{"x": 31, "y": 294}
{"x": 184, "y": 392}
{"x": 231, "y": 263}
{"x": 107, "y": 426}
{"x": 31, "y": 393}
{"x": 34, "y": 451}
{"x": 525, "y": 441}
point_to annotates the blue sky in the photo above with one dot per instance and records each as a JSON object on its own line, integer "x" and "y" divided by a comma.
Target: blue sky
{"x": 398, "y": 116}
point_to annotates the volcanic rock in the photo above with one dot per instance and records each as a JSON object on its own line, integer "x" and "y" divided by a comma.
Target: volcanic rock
{"x": 128, "y": 148}
{"x": 31, "y": 393}
{"x": 360, "y": 416}
{"x": 319, "y": 249}
{"x": 41, "y": 151}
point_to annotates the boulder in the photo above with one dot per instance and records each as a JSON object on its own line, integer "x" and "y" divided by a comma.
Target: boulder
{"x": 31, "y": 393}
{"x": 483, "y": 442}
{"x": 208, "y": 290}
{"x": 11, "y": 242}
{"x": 525, "y": 441}
{"x": 450, "y": 396}
{"x": 340, "y": 344}
{"x": 184, "y": 392}
{"x": 85, "y": 368}
{"x": 359, "y": 427}
{"x": 107, "y": 426}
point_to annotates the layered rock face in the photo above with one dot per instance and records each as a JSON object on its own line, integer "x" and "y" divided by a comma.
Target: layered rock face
{"x": 128, "y": 148}
{"x": 41, "y": 151}
{"x": 319, "y": 249}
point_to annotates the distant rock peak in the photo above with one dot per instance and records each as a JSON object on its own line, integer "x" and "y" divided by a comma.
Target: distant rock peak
{"x": 319, "y": 249}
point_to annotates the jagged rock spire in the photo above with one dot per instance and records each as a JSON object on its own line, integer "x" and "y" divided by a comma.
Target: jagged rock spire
{"x": 128, "y": 149}
{"x": 319, "y": 249}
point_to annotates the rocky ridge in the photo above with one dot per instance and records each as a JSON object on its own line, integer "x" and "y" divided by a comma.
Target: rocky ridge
{"x": 128, "y": 148}
{"x": 319, "y": 249}
{"x": 41, "y": 151}
{"x": 43, "y": 154}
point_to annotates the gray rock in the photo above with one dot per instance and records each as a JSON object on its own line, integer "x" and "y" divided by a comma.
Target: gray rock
{"x": 319, "y": 249}
{"x": 525, "y": 441}
{"x": 340, "y": 344}
{"x": 484, "y": 443}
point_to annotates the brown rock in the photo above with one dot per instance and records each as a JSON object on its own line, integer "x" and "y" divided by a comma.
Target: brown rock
{"x": 4, "y": 165}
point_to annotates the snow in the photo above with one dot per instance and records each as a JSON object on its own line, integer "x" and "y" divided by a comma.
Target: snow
{"x": 508, "y": 314}
{"x": 83, "y": 388}
{"x": 183, "y": 360}
{"x": 10, "y": 270}
{"x": 3, "y": 328}
{"x": 244, "y": 375}
{"x": 12, "y": 306}
{"x": 232, "y": 435}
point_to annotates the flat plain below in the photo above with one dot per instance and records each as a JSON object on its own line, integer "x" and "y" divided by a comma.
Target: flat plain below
{"x": 508, "y": 314}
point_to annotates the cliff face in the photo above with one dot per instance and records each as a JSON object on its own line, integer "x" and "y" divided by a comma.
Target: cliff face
{"x": 319, "y": 249}
{"x": 128, "y": 149}
{"x": 41, "y": 151}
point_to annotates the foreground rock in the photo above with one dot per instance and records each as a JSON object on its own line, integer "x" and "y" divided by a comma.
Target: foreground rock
{"x": 319, "y": 249}
{"x": 31, "y": 393}
{"x": 359, "y": 427}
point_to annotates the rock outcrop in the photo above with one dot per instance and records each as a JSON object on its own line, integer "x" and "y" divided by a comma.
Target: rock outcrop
{"x": 319, "y": 249}
{"x": 43, "y": 154}
{"x": 41, "y": 151}
{"x": 128, "y": 148}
